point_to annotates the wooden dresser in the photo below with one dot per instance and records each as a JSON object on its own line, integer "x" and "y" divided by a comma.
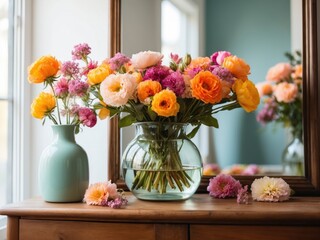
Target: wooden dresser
{"x": 200, "y": 217}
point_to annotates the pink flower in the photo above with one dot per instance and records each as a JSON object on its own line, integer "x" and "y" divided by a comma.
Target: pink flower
{"x": 251, "y": 169}
{"x": 61, "y": 88}
{"x": 156, "y": 73}
{"x": 145, "y": 59}
{"x": 280, "y": 71}
{"x": 91, "y": 65}
{"x": 87, "y": 117}
{"x": 81, "y": 51}
{"x": 70, "y": 69}
{"x": 218, "y": 57}
{"x": 270, "y": 189}
{"x": 175, "y": 58}
{"x": 286, "y": 92}
{"x": 78, "y": 88}
{"x": 117, "y": 89}
{"x": 223, "y": 186}
{"x": 117, "y": 61}
{"x": 243, "y": 195}
{"x": 174, "y": 82}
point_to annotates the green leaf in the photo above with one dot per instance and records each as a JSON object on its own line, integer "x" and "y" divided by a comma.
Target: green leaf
{"x": 194, "y": 131}
{"x": 152, "y": 114}
{"x": 97, "y": 95}
{"x": 210, "y": 121}
{"x": 126, "y": 121}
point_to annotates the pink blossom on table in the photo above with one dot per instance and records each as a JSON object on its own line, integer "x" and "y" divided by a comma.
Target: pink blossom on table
{"x": 117, "y": 61}
{"x": 156, "y": 73}
{"x": 223, "y": 186}
{"x": 81, "y": 51}
{"x": 87, "y": 116}
{"x": 70, "y": 69}
{"x": 286, "y": 92}
{"x": 174, "y": 82}
{"x": 117, "y": 203}
{"x": 268, "y": 113}
{"x": 270, "y": 189}
{"x": 222, "y": 73}
{"x": 145, "y": 59}
{"x": 61, "y": 88}
{"x": 280, "y": 71}
{"x": 243, "y": 195}
{"x": 175, "y": 58}
{"x": 251, "y": 169}
{"x": 91, "y": 65}
{"x": 78, "y": 88}
{"x": 117, "y": 89}
{"x": 218, "y": 57}
{"x": 211, "y": 169}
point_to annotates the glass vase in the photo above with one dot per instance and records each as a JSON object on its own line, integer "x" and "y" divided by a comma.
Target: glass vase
{"x": 63, "y": 170}
{"x": 293, "y": 158}
{"x": 161, "y": 163}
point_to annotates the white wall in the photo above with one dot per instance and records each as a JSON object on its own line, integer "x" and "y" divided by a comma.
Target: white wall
{"x": 57, "y": 25}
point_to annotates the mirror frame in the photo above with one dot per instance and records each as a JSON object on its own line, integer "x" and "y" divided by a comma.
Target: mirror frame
{"x": 306, "y": 185}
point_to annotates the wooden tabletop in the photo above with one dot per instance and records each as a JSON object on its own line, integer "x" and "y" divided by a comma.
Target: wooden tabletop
{"x": 201, "y": 208}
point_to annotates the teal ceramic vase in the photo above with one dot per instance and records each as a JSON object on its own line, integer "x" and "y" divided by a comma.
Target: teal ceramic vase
{"x": 63, "y": 170}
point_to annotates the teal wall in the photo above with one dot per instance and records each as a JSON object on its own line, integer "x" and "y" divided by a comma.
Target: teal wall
{"x": 259, "y": 32}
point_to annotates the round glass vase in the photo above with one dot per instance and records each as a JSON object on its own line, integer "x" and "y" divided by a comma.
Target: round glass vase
{"x": 293, "y": 157}
{"x": 161, "y": 163}
{"x": 63, "y": 169}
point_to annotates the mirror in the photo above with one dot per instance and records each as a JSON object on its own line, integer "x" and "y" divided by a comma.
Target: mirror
{"x": 307, "y": 184}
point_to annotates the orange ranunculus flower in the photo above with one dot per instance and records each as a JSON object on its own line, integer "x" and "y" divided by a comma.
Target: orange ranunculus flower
{"x": 165, "y": 103}
{"x": 202, "y": 62}
{"x": 43, "y": 68}
{"x": 264, "y": 88}
{"x": 207, "y": 87}
{"x": 247, "y": 94}
{"x": 297, "y": 74}
{"x": 42, "y": 105}
{"x": 97, "y": 75}
{"x": 148, "y": 89}
{"x": 237, "y": 66}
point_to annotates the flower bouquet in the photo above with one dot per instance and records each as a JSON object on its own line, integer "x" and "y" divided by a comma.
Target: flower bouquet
{"x": 161, "y": 100}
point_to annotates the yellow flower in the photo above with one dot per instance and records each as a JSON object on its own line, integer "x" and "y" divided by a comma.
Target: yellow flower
{"x": 104, "y": 112}
{"x": 97, "y": 75}
{"x": 165, "y": 103}
{"x": 148, "y": 89}
{"x": 42, "y": 105}
{"x": 43, "y": 68}
{"x": 237, "y": 66}
{"x": 206, "y": 87}
{"x": 247, "y": 94}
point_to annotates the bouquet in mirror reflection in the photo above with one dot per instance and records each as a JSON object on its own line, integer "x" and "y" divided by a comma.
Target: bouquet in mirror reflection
{"x": 141, "y": 89}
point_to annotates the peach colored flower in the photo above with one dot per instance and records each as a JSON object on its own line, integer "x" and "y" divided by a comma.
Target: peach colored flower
{"x": 226, "y": 88}
{"x": 207, "y": 87}
{"x": 199, "y": 62}
{"x": 264, "y": 88}
{"x": 286, "y": 92}
{"x": 147, "y": 89}
{"x": 43, "y": 105}
{"x": 247, "y": 94}
{"x": 297, "y": 73}
{"x": 165, "y": 103}
{"x": 97, "y": 75}
{"x": 270, "y": 189}
{"x": 187, "y": 91}
{"x": 237, "y": 66}
{"x": 117, "y": 89}
{"x": 96, "y": 194}
{"x": 146, "y": 59}
{"x": 43, "y": 68}
{"x": 279, "y": 72}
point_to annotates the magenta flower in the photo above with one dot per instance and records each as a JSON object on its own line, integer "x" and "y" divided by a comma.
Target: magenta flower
{"x": 78, "y": 88}
{"x": 117, "y": 203}
{"x": 81, "y": 51}
{"x": 175, "y": 58}
{"x": 194, "y": 71}
{"x": 87, "y": 117}
{"x": 174, "y": 82}
{"x": 243, "y": 195}
{"x": 61, "y": 88}
{"x": 223, "y": 186}
{"x": 222, "y": 73}
{"x": 268, "y": 113}
{"x": 157, "y": 73}
{"x": 70, "y": 69}
{"x": 117, "y": 61}
{"x": 91, "y": 65}
{"x": 217, "y": 58}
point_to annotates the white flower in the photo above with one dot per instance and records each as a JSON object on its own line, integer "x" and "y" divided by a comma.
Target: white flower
{"x": 117, "y": 89}
{"x": 146, "y": 59}
{"x": 270, "y": 189}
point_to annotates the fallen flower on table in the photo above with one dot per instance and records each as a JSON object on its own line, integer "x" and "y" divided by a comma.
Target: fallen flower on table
{"x": 223, "y": 186}
{"x": 270, "y": 189}
{"x": 105, "y": 194}
{"x": 243, "y": 195}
